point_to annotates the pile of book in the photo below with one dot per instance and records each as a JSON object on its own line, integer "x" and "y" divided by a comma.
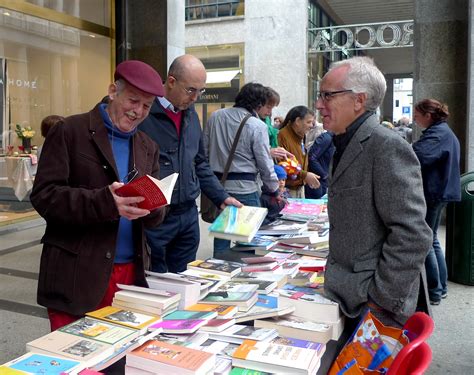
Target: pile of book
{"x": 194, "y": 322}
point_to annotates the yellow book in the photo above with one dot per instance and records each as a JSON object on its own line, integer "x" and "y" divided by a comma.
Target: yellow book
{"x": 124, "y": 317}
{"x": 223, "y": 312}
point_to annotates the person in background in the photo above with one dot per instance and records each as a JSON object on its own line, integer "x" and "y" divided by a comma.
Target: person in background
{"x": 277, "y": 122}
{"x": 272, "y": 99}
{"x": 46, "y": 124}
{"x": 378, "y": 238}
{"x": 174, "y": 125}
{"x": 281, "y": 175}
{"x": 298, "y": 122}
{"x": 404, "y": 130}
{"x": 252, "y": 155}
{"x": 438, "y": 151}
{"x": 94, "y": 238}
{"x": 319, "y": 157}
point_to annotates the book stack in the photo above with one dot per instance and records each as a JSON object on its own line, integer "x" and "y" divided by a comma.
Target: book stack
{"x": 309, "y": 303}
{"x": 146, "y": 300}
{"x": 238, "y": 224}
{"x": 258, "y": 242}
{"x": 259, "y": 264}
{"x": 190, "y": 289}
{"x": 158, "y": 357}
{"x": 280, "y": 356}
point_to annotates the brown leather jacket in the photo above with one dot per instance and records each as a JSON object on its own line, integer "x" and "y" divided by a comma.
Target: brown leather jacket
{"x": 71, "y": 193}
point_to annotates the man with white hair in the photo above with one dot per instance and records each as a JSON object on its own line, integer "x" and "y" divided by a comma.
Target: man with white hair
{"x": 378, "y": 238}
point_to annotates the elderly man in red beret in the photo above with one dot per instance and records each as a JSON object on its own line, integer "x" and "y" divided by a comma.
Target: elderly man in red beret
{"x": 94, "y": 238}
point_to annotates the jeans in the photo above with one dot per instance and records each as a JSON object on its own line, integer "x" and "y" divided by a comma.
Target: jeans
{"x": 252, "y": 199}
{"x": 435, "y": 263}
{"x": 175, "y": 242}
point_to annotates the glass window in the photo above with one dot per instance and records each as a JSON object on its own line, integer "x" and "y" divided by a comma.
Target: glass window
{"x": 48, "y": 68}
{"x": 203, "y": 9}
{"x": 97, "y": 11}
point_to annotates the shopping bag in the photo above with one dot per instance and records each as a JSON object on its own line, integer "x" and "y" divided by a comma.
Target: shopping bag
{"x": 209, "y": 211}
{"x": 371, "y": 348}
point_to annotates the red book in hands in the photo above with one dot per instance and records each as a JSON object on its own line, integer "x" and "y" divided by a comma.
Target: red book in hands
{"x": 156, "y": 192}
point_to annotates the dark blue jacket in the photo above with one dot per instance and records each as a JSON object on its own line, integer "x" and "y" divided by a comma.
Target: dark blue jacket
{"x": 184, "y": 155}
{"x": 438, "y": 152}
{"x": 319, "y": 156}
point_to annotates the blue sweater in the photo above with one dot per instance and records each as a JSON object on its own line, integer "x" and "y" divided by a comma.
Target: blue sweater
{"x": 121, "y": 146}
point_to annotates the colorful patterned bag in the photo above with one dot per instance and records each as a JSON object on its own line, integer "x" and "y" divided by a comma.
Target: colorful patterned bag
{"x": 370, "y": 350}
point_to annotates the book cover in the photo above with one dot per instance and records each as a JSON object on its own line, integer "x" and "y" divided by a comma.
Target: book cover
{"x": 127, "y": 318}
{"x": 279, "y": 227}
{"x": 147, "y": 299}
{"x": 191, "y": 340}
{"x": 217, "y": 325}
{"x": 101, "y": 331}
{"x": 186, "y": 314}
{"x": 298, "y": 328}
{"x": 280, "y": 279}
{"x": 263, "y": 286}
{"x": 264, "y": 242}
{"x": 238, "y": 223}
{"x": 157, "y": 356}
{"x": 216, "y": 266}
{"x": 230, "y": 298}
{"x": 223, "y": 311}
{"x": 320, "y": 348}
{"x": 71, "y": 346}
{"x": 274, "y": 357}
{"x": 246, "y": 371}
{"x": 266, "y": 306}
{"x": 156, "y": 192}
{"x": 34, "y": 363}
{"x": 304, "y": 209}
{"x": 238, "y": 333}
{"x": 179, "y": 326}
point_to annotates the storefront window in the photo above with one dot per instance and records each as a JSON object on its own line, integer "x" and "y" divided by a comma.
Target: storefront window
{"x": 48, "y": 68}
{"x": 203, "y": 9}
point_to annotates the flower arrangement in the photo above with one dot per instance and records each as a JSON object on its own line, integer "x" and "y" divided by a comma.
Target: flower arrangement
{"x": 24, "y": 132}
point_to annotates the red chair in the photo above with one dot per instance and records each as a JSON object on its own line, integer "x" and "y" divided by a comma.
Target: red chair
{"x": 415, "y": 357}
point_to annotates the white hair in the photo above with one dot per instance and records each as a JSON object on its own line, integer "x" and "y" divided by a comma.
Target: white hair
{"x": 363, "y": 76}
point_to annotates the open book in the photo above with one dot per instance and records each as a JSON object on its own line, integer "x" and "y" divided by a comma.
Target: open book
{"x": 156, "y": 192}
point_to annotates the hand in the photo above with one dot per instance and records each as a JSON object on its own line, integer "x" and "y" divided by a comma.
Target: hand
{"x": 280, "y": 153}
{"x": 127, "y": 206}
{"x": 231, "y": 201}
{"x": 312, "y": 180}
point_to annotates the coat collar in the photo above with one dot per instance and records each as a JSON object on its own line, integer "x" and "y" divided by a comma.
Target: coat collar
{"x": 354, "y": 148}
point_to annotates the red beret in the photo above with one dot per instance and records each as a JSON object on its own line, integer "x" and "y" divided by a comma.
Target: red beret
{"x": 140, "y": 75}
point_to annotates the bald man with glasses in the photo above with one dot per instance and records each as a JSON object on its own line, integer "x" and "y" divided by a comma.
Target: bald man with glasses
{"x": 174, "y": 125}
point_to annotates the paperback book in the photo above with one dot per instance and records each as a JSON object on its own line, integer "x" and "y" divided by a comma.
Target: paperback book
{"x": 238, "y": 224}
{"x": 217, "y": 325}
{"x": 179, "y": 326}
{"x": 187, "y": 314}
{"x": 123, "y": 317}
{"x": 276, "y": 358}
{"x": 216, "y": 266}
{"x": 80, "y": 349}
{"x": 156, "y": 192}
{"x": 160, "y": 357}
{"x": 238, "y": 333}
{"x": 34, "y": 363}
{"x": 100, "y": 331}
{"x": 266, "y": 306}
{"x": 223, "y": 311}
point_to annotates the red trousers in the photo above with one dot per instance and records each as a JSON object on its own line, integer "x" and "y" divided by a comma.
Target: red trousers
{"x": 122, "y": 273}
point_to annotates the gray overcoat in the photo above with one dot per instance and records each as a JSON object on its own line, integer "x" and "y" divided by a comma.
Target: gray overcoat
{"x": 378, "y": 237}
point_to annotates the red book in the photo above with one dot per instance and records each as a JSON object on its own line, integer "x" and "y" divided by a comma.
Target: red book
{"x": 156, "y": 192}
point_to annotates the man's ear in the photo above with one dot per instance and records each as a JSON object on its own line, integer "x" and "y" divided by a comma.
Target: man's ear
{"x": 360, "y": 101}
{"x": 112, "y": 91}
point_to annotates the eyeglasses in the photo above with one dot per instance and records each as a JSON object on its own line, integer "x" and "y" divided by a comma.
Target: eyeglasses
{"x": 132, "y": 174}
{"x": 329, "y": 95}
{"x": 191, "y": 91}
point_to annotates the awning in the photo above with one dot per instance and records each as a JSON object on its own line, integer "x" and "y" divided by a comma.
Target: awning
{"x": 221, "y": 78}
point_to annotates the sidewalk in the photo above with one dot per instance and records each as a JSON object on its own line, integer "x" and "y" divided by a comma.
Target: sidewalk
{"x": 22, "y": 320}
